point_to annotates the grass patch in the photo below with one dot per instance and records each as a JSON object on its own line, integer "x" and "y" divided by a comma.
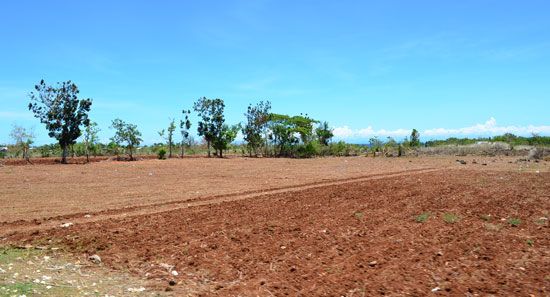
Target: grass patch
{"x": 514, "y": 222}
{"x": 10, "y": 254}
{"x": 530, "y": 242}
{"x": 492, "y": 227}
{"x": 486, "y": 218}
{"x": 359, "y": 215}
{"x": 450, "y": 218}
{"x": 17, "y": 289}
{"x": 423, "y": 217}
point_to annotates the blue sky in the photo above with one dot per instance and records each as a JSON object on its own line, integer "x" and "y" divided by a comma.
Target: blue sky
{"x": 462, "y": 68}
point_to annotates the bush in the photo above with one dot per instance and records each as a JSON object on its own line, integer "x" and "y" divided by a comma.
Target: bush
{"x": 162, "y": 154}
{"x": 338, "y": 149}
{"x": 309, "y": 150}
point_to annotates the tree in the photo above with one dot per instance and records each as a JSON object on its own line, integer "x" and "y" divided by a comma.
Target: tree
{"x": 256, "y": 126}
{"x": 324, "y": 133}
{"x": 303, "y": 125}
{"x": 375, "y": 145}
{"x": 227, "y": 135}
{"x": 390, "y": 145}
{"x": 170, "y": 136}
{"x": 415, "y": 138}
{"x": 61, "y": 111}
{"x": 212, "y": 119}
{"x": 126, "y": 134}
{"x": 287, "y": 131}
{"x": 185, "y": 125}
{"x": 90, "y": 138}
{"x": 23, "y": 140}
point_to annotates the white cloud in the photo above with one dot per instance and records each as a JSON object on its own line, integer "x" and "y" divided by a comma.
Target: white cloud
{"x": 347, "y": 132}
{"x": 490, "y": 127}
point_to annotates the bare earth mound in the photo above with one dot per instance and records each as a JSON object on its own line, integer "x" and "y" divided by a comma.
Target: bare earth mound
{"x": 483, "y": 232}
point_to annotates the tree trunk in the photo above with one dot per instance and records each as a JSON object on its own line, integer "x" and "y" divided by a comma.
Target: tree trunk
{"x": 170, "y": 150}
{"x": 208, "y": 144}
{"x": 87, "y": 153}
{"x": 182, "y": 149}
{"x": 64, "y": 154}
{"x": 221, "y": 153}
{"x": 131, "y": 155}
{"x": 266, "y": 145}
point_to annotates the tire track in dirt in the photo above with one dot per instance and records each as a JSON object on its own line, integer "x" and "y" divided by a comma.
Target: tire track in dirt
{"x": 8, "y": 228}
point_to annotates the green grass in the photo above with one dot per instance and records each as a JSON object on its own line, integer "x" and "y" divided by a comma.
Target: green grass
{"x": 514, "y": 222}
{"x": 9, "y": 254}
{"x": 423, "y": 217}
{"x": 450, "y": 218}
{"x": 17, "y": 289}
{"x": 530, "y": 242}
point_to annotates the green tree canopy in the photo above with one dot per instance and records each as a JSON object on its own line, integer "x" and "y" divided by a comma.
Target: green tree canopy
{"x": 61, "y": 111}
{"x": 126, "y": 135}
{"x": 212, "y": 119}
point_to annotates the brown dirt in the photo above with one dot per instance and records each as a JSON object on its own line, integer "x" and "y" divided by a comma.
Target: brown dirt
{"x": 352, "y": 239}
{"x": 36, "y": 192}
{"x": 70, "y": 160}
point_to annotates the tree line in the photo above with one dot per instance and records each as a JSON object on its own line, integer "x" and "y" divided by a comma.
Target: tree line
{"x": 66, "y": 117}
{"x": 265, "y": 133}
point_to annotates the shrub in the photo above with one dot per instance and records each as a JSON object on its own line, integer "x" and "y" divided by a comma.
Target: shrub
{"x": 514, "y": 222}
{"x": 311, "y": 149}
{"x": 161, "y": 154}
{"x": 450, "y": 218}
{"x": 421, "y": 218}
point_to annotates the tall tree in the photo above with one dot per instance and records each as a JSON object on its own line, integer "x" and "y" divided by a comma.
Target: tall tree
{"x": 90, "y": 138}
{"x": 415, "y": 138}
{"x": 256, "y": 126}
{"x": 61, "y": 111}
{"x": 23, "y": 140}
{"x": 324, "y": 133}
{"x": 126, "y": 135}
{"x": 212, "y": 119}
{"x": 185, "y": 125}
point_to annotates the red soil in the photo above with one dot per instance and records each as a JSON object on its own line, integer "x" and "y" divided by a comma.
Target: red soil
{"x": 350, "y": 239}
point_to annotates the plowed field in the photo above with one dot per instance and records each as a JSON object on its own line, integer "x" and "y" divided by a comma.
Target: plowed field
{"x": 323, "y": 227}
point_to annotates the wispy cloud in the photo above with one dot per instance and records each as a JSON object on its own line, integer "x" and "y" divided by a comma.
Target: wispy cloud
{"x": 489, "y": 128}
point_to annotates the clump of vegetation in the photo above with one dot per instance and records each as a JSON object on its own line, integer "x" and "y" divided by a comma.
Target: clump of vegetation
{"x": 126, "y": 135}
{"x": 359, "y": 215}
{"x": 530, "y": 242}
{"x": 161, "y": 154}
{"x": 450, "y": 218}
{"x": 185, "y": 125}
{"x": 423, "y": 217}
{"x": 492, "y": 227}
{"x": 255, "y": 130}
{"x": 169, "y": 136}
{"x": 23, "y": 140}
{"x": 514, "y": 222}
{"x": 486, "y": 218}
